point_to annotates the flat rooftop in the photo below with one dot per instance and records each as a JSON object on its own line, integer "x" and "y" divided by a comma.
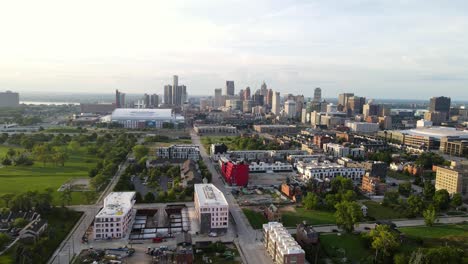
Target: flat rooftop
{"x": 117, "y": 203}
{"x": 134, "y": 113}
{"x": 208, "y": 195}
{"x": 437, "y": 132}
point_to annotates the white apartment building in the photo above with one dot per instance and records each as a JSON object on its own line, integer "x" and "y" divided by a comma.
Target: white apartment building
{"x": 211, "y": 208}
{"x": 339, "y": 151}
{"x": 179, "y": 152}
{"x": 269, "y": 167}
{"x": 280, "y": 245}
{"x": 305, "y": 158}
{"x": 113, "y": 221}
{"x": 328, "y": 170}
{"x": 362, "y": 127}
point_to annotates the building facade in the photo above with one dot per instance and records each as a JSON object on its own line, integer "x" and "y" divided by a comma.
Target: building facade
{"x": 113, "y": 221}
{"x": 275, "y": 129}
{"x": 211, "y": 208}
{"x": 329, "y": 170}
{"x": 281, "y": 246}
{"x": 179, "y": 152}
{"x": 454, "y": 179}
{"x": 201, "y": 130}
{"x": 235, "y": 173}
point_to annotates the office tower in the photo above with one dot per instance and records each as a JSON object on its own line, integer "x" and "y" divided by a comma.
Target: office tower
{"x": 176, "y": 91}
{"x": 247, "y": 106}
{"x": 269, "y": 98}
{"x": 317, "y": 95}
{"x": 119, "y": 99}
{"x": 218, "y": 98}
{"x": 258, "y": 99}
{"x": 247, "y": 93}
{"x": 168, "y": 94}
{"x": 355, "y": 105}
{"x": 146, "y": 101}
{"x": 290, "y": 109}
{"x": 343, "y": 100}
{"x": 241, "y": 95}
{"x": 371, "y": 109}
{"x": 183, "y": 97}
{"x": 440, "y": 104}
{"x": 154, "y": 100}
{"x": 331, "y": 108}
{"x": 9, "y": 99}
{"x": 264, "y": 89}
{"x": 229, "y": 89}
{"x": 276, "y": 103}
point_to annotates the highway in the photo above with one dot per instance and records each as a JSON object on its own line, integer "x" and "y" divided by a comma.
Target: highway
{"x": 248, "y": 238}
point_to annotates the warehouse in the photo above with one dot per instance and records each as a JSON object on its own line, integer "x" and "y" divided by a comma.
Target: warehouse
{"x": 143, "y": 118}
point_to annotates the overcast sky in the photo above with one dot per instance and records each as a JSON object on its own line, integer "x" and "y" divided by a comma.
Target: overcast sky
{"x": 377, "y": 49}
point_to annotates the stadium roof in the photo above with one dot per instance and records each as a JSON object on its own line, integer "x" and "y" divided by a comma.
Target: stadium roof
{"x": 437, "y": 132}
{"x": 139, "y": 114}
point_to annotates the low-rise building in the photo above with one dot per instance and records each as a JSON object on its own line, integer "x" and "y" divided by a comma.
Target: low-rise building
{"x": 305, "y": 158}
{"x": 306, "y": 235}
{"x": 339, "y": 151}
{"x": 234, "y": 172}
{"x": 218, "y": 148}
{"x": 363, "y": 127}
{"x": 280, "y": 245}
{"x": 203, "y": 130}
{"x": 373, "y": 185}
{"x": 293, "y": 192}
{"x": 453, "y": 147}
{"x": 269, "y": 167}
{"x": 272, "y": 213}
{"x": 328, "y": 170}
{"x": 179, "y": 152}
{"x": 113, "y": 221}
{"x": 211, "y": 208}
{"x": 275, "y": 129}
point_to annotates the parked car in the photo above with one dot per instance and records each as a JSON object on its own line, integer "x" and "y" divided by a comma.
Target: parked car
{"x": 212, "y": 234}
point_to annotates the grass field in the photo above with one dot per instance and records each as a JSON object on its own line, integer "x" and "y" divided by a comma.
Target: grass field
{"x": 438, "y": 235}
{"x": 208, "y": 140}
{"x": 313, "y": 217}
{"x": 349, "y": 245}
{"x": 256, "y": 219}
{"x": 16, "y": 179}
{"x": 378, "y": 211}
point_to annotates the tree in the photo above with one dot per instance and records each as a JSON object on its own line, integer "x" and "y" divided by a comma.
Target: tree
{"x": 384, "y": 240}
{"x": 4, "y": 239}
{"x": 60, "y": 155}
{"x": 90, "y": 196}
{"x": 405, "y": 188}
{"x": 311, "y": 201}
{"x": 11, "y": 152}
{"x": 140, "y": 151}
{"x": 444, "y": 254}
{"x": 149, "y": 198}
{"x": 42, "y": 153}
{"x": 66, "y": 196}
{"x": 415, "y": 205}
{"x": 456, "y": 200}
{"x": 390, "y": 198}
{"x": 74, "y": 145}
{"x": 138, "y": 198}
{"x": 341, "y": 184}
{"x": 441, "y": 199}
{"x": 7, "y": 197}
{"x": 428, "y": 190}
{"x": 20, "y": 222}
{"x": 347, "y": 215}
{"x": 430, "y": 215}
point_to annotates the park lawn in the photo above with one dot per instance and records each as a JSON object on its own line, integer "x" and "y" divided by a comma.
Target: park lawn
{"x": 378, "y": 211}
{"x": 350, "y": 245}
{"x": 439, "y": 235}
{"x": 256, "y": 219}
{"x": 208, "y": 140}
{"x": 313, "y": 217}
{"x": 17, "y": 179}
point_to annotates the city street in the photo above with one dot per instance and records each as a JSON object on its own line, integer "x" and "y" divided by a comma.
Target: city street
{"x": 248, "y": 238}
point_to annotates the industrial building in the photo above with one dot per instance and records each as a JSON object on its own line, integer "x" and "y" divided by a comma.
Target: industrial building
{"x": 211, "y": 208}
{"x": 145, "y": 118}
{"x": 113, "y": 221}
{"x": 280, "y": 245}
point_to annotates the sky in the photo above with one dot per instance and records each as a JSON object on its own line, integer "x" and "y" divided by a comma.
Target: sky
{"x": 377, "y": 49}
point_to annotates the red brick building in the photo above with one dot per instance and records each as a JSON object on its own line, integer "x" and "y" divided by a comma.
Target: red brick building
{"x": 235, "y": 172}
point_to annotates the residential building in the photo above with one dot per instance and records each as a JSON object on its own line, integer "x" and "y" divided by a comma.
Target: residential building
{"x": 269, "y": 167}
{"x": 179, "y": 152}
{"x": 272, "y": 214}
{"x": 205, "y": 129}
{"x": 306, "y": 235}
{"x": 275, "y": 129}
{"x": 373, "y": 185}
{"x": 339, "y": 151}
{"x": 454, "y": 179}
{"x": 320, "y": 140}
{"x": 218, "y": 148}
{"x": 281, "y": 246}
{"x": 293, "y": 159}
{"x": 362, "y": 127}
{"x": 211, "y": 208}
{"x": 376, "y": 168}
{"x": 328, "y": 170}
{"x": 235, "y": 173}
{"x": 292, "y": 191}
{"x": 113, "y": 221}
{"x": 145, "y": 118}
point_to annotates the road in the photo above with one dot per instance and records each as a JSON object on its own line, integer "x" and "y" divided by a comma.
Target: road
{"x": 248, "y": 238}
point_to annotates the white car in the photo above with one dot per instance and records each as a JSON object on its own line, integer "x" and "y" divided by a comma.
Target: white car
{"x": 212, "y": 234}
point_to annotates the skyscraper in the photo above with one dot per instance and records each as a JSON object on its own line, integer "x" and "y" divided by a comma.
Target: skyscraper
{"x": 154, "y": 100}
{"x": 269, "y": 97}
{"x": 168, "y": 94}
{"x": 440, "y": 104}
{"x": 355, "y": 105}
{"x": 247, "y": 93}
{"x": 229, "y": 89}
{"x": 290, "y": 109}
{"x": 276, "y": 103}
{"x": 343, "y": 101}
{"x": 317, "y": 94}
{"x": 241, "y": 95}
{"x": 119, "y": 99}
{"x": 218, "y": 98}
{"x": 176, "y": 91}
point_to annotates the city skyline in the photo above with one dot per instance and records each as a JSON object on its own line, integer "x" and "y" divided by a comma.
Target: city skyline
{"x": 374, "y": 49}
